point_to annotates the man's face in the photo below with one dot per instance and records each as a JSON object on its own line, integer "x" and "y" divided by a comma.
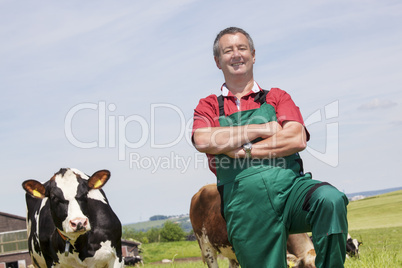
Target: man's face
{"x": 235, "y": 56}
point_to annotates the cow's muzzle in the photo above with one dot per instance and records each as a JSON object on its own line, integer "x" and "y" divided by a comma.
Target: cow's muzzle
{"x": 79, "y": 224}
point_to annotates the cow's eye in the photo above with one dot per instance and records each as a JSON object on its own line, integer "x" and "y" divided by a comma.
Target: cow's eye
{"x": 81, "y": 198}
{"x": 54, "y": 198}
{"x": 57, "y": 200}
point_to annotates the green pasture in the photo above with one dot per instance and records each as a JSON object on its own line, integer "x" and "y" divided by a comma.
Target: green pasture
{"x": 376, "y": 221}
{"x": 154, "y": 252}
{"x": 376, "y": 212}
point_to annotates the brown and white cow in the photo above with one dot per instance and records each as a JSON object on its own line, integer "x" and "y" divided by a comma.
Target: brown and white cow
{"x": 210, "y": 230}
{"x": 70, "y": 222}
{"x": 300, "y": 245}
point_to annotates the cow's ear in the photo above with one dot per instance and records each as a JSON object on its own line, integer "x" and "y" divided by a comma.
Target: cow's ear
{"x": 34, "y": 188}
{"x": 98, "y": 179}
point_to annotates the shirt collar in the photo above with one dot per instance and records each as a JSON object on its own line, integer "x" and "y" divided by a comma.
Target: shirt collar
{"x": 225, "y": 91}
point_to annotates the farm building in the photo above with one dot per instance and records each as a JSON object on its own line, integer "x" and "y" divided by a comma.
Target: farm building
{"x": 13, "y": 242}
{"x": 131, "y": 252}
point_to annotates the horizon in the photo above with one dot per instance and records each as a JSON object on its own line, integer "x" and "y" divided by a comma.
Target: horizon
{"x": 383, "y": 191}
{"x": 349, "y": 195}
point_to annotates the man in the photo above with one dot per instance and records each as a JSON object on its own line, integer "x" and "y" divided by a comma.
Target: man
{"x": 252, "y": 138}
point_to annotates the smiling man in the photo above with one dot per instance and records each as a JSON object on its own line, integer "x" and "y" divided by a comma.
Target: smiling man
{"x": 252, "y": 138}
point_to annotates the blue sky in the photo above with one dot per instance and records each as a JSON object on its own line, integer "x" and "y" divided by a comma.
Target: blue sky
{"x": 112, "y": 85}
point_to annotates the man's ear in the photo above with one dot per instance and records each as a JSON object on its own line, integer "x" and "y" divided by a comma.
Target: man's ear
{"x": 253, "y": 53}
{"x": 217, "y": 63}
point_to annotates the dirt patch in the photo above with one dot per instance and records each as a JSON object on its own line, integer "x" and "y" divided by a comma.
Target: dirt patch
{"x": 180, "y": 260}
{"x": 192, "y": 259}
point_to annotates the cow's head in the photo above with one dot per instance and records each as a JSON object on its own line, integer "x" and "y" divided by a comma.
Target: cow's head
{"x": 67, "y": 192}
{"x": 352, "y": 246}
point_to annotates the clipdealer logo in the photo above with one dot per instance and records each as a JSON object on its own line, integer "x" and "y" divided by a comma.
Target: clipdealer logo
{"x": 112, "y": 128}
{"x": 328, "y": 116}
{"x": 112, "y": 133}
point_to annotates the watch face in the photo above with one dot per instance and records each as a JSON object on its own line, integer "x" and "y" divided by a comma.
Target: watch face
{"x": 247, "y": 146}
{"x": 247, "y": 149}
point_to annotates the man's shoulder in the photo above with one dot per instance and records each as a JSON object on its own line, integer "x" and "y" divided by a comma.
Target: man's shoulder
{"x": 208, "y": 104}
{"x": 276, "y": 92}
{"x": 212, "y": 99}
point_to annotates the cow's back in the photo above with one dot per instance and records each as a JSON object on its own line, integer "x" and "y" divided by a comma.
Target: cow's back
{"x": 205, "y": 215}
{"x": 210, "y": 227}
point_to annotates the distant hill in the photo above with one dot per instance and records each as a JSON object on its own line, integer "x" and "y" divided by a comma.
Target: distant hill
{"x": 183, "y": 220}
{"x": 360, "y": 195}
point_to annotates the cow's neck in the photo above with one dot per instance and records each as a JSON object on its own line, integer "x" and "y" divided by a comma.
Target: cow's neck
{"x": 68, "y": 244}
{"x": 62, "y": 236}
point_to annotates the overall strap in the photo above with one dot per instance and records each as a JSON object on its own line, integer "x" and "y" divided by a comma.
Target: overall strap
{"x": 221, "y": 106}
{"x": 260, "y": 97}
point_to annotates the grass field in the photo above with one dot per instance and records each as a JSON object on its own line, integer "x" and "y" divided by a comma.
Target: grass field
{"x": 376, "y": 221}
{"x": 154, "y": 252}
{"x": 376, "y": 212}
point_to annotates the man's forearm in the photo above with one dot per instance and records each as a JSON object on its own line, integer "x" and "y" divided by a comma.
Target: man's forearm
{"x": 291, "y": 139}
{"x": 218, "y": 140}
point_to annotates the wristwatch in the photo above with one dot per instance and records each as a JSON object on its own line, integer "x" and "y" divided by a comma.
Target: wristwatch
{"x": 247, "y": 149}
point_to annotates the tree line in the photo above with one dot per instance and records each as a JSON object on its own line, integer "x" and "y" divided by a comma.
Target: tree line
{"x": 169, "y": 232}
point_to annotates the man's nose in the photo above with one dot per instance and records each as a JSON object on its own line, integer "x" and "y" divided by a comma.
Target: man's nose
{"x": 236, "y": 53}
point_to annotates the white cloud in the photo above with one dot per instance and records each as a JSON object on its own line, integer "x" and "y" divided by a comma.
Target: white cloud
{"x": 378, "y": 104}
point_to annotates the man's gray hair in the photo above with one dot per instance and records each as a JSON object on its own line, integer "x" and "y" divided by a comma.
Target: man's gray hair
{"x": 231, "y": 30}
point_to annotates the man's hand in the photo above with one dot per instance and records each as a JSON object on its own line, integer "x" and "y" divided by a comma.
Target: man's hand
{"x": 219, "y": 140}
{"x": 270, "y": 129}
{"x": 265, "y": 131}
{"x": 278, "y": 141}
{"x": 292, "y": 138}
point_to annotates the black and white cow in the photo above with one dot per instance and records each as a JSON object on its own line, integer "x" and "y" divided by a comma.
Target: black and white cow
{"x": 352, "y": 246}
{"x": 70, "y": 222}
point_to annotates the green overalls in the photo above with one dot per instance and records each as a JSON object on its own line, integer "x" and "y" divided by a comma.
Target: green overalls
{"x": 265, "y": 200}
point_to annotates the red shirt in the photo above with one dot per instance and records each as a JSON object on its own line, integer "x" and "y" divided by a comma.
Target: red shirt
{"x": 206, "y": 114}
